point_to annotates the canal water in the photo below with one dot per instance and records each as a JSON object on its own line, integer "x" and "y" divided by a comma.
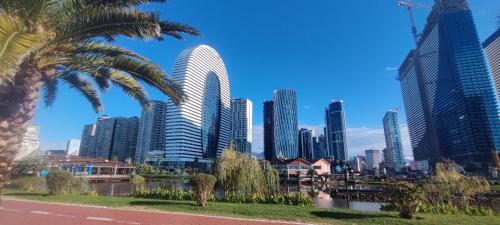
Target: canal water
{"x": 320, "y": 195}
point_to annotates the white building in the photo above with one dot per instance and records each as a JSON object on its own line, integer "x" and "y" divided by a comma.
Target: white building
{"x": 73, "y": 147}
{"x": 241, "y": 125}
{"x": 198, "y": 129}
{"x": 30, "y": 142}
{"x": 372, "y": 159}
{"x": 151, "y": 136}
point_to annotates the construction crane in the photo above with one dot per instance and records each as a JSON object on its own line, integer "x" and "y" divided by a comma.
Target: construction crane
{"x": 409, "y": 5}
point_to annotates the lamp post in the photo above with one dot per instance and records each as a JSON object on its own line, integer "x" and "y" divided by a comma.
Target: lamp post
{"x": 346, "y": 166}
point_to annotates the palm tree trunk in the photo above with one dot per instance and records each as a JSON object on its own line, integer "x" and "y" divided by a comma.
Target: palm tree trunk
{"x": 18, "y": 101}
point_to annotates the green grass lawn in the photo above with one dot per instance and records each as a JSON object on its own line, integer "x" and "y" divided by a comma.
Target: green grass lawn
{"x": 274, "y": 212}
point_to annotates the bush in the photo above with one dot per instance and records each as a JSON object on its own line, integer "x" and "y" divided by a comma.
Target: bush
{"x": 143, "y": 169}
{"x": 203, "y": 185}
{"x": 30, "y": 184}
{"x": 405, "y": 198}
{"x": 138, "y": 182}
{"x": 77, "y": 185}
{"x": 57, "y": 181}
{"x": 164, "y": 194}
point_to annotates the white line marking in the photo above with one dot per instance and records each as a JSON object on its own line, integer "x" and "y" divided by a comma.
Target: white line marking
{"x": 156, "y": 211}
{"x": 10, "y": 210}
{"x": 40, "y": 212}
{"x": 62, "y": 215}
{"x": 133, "y": 223}
{"x": 100, "y": 219}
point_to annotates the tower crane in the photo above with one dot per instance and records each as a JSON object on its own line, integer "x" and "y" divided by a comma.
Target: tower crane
{"x": 409, "y": 5}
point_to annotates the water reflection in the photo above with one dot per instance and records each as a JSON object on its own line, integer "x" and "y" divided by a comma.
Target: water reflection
{"x": 320, "y": 194}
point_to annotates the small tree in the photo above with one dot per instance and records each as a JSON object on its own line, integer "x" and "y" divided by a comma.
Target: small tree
{"x": 203, "y": 186}
{"x": 405, "y": 198}
{"x": 143, "y": 169}
{"x": 138, "y": 182}
{"x": 57, "y": 181}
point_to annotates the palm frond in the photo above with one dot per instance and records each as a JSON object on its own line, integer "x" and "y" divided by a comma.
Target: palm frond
{"x": 86, "y": 88}
{"x": 175, "y": 30}
{"x": 110, "y": 23}
{"x": 146, "y": 72}
{"x": 101, "y": 49}
{"x": 15, "y": 45}
{"x": 50, "y": 90}
{"x": 130, "y": 86}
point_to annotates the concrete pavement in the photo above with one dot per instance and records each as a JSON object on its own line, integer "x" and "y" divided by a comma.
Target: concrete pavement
{"x": 22, "y": 212}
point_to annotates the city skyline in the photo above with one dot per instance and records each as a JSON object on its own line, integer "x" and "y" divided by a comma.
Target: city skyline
{"x": 310, "y": 109}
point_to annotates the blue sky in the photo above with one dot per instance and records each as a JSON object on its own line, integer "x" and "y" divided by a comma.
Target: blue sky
{"x": 324, "y": 49}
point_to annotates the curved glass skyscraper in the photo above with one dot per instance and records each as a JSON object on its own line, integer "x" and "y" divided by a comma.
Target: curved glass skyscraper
{"x": 286, "y": 131}
{"x": 198, "y": 130}
{"x": 336, "y": 131}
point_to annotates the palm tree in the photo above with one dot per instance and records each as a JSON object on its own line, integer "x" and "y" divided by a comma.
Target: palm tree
{"x": 44, "y": 42}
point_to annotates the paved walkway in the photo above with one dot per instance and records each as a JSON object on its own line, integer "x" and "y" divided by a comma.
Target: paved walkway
{"x": 20, "y": 212}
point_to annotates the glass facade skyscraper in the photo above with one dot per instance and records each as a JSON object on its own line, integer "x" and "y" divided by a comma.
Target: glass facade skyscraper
{"x": 306, "y": 144}
{"x": 336, "y": 132}
{"x": 151, "y": 135}
{"x": 492, "y": 50}
{"x": 393, "y": 155}
{"x": 269, "y": 151}
{"x": 286, "y": 131}
{"x": 449, "y": 98}
{"x": 197, "y": 131}
{"x": 241, "y": 125}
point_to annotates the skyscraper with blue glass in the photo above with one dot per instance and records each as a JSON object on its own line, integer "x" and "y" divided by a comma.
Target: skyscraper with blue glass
{"x": 393, "y": 155}
{"x": 286, "y": 133}
{"x": 449, "y": 98}
{"x": 336, "y": 132}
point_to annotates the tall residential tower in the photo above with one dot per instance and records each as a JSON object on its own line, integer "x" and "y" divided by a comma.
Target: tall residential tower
{"x": 241, "y": 125}
{"x": 393, "y": 154}
{"x": 151, "y": 135}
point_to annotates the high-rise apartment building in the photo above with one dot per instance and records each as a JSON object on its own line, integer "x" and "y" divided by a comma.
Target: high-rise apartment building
{"x": 124, "y": 138}
{"x": 87, "y": 143}
{"x": 241, "y": 125}
{"x": 30, "y": 141}
{"x": 286, "y": 132}
{"x": 73, "y": 147}
{"x": 319, "y": 143}
{"x": 269, "y": 151}
{"x": 110, "y": 137}
{"x": 393, "y": 156}
{"x": 372, "y": 159}
{"x": 336, "y": 131}
{"x": 306, "y": 144}
{"x": 198, "y": 129}
{"x": 151, "y": 134}
{"x": 449, "y": 98}
{"x": 492, "y": 50}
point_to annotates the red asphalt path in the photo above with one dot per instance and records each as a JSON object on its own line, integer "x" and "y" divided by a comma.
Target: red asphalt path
{"x": 21, "y": 212}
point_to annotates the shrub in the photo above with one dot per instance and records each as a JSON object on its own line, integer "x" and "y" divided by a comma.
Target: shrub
{"x": 57, "y": 181}
{"x": 203, "y": 185}
{"x": 143, "y": 169}
{"x": 77, "y": 185}
{"x": 28, "y": 184}
{"x": 405, "y": 198}
{"x": 138, "y": 182}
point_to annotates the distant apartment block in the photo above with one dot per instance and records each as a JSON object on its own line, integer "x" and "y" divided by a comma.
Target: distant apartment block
{"x": 151, "y": 134}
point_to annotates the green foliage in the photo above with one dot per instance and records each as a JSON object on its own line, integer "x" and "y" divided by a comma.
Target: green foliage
{"x": 164, "y": 194}
{"x": 28, "y": 166}
{"x": 448, "y": 186}
{"x": 143, "y": 168}
{"x": 240, "y": 175}
{"x": 57, "y": 181}
{"x": 138, "y": 181}
{"x": 450, "y": 209}
{"x": 30, "y": 184}
{"x": 203, "y": 185}
{"x": 405, "y": 198}
{"x": 77, "y": 185}
{"x": 70, "y": 41}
